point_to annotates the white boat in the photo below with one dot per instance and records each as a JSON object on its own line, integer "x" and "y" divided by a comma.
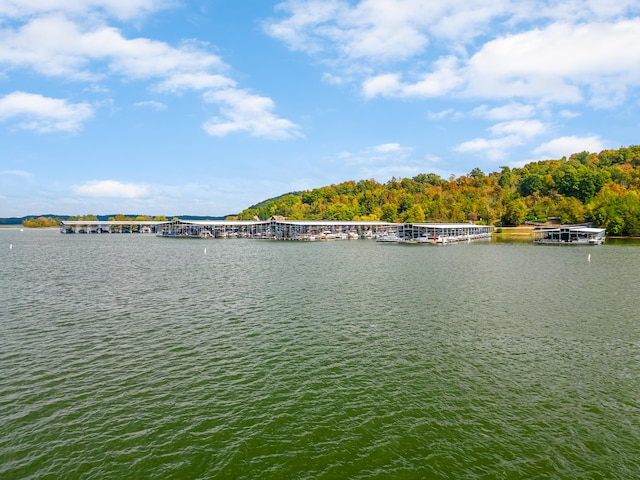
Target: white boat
{"x": 389, "y": 237}
{"x": 327, "y": 235}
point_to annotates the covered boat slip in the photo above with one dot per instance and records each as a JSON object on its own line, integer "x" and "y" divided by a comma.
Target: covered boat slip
{"x": 278, "y": 229}
{"x": 570, "y": 235}
{"x": 311, "y": 230}
{"x": 275, "y": 229}
{"x": 210, "y": 228}
{"x": 97, "y": 226}
{"x": 443, "y": 233}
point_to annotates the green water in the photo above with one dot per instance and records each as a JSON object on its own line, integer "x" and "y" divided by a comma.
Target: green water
{"x": 130, "y": 356}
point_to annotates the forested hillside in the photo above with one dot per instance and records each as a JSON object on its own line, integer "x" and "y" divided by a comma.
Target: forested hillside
{"x": 603, "y": 188}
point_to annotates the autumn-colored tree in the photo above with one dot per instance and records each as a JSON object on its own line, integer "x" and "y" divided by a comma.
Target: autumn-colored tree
{"x": 600, "y": 188}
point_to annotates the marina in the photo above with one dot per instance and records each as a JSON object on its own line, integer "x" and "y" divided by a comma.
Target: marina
{"x": 281, "y": 229}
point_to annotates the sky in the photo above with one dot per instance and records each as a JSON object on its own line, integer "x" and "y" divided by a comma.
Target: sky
{"x": 194, "y": 107}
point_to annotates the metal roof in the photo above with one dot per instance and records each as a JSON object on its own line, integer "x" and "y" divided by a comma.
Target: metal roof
{"x": 449, "y": 225}
{"x": 107, "y": 222}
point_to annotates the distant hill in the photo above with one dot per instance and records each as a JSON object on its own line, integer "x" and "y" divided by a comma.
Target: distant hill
{"x": 19, "y": 220}
{"x": 271, "y": 200}
{"x": 102, "y": 218}
{"x": 599, "y": 188}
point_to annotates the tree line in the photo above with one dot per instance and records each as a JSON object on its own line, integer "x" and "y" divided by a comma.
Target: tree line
{"x": 49, "y": 222}
{"x": 603, "y": 188}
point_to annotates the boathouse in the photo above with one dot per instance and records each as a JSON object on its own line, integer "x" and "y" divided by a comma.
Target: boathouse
{"x": 280, "y": 229}
{"x": 97, "y": 226}
{"x": 570, "y": 235}
{"x": 442, "y": 232}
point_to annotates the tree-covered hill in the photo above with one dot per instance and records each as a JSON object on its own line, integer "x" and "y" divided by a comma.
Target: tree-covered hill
{"x": 602, "y": 188}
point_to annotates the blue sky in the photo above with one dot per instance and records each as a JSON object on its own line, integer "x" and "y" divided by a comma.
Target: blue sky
{"x": 206, "y": 107}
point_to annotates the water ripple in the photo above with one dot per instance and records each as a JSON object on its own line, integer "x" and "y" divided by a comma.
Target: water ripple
{"x": 128, "y": 356}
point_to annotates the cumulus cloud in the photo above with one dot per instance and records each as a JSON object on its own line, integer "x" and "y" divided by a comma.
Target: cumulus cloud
{"x": 112, "y": 189}
{"x": 552, "y": 51}
{"x": 245, "y": 112}
{"x": 441, "y": 80}
{"x": 563, "y": 63}
{"x": 56, "y": 46}
{"x": 43, "y": 114}
{"x": 377, "y": 31}
{"x": 72, "y": 40}
{"x": 506, "y": 136}
{"x": 565, "y": 146}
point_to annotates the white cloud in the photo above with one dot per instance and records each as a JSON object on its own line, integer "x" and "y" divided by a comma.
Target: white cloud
{"x": 389, "y": 160}
{"x": 18, "y": 173}
{"x": 494, "y": 148}
{"x": 449, "y": 112}
{"x": 158, "y": 106}
{"x": 379, "y": 30}
{"x": 565, "y": 146}
{"x": 121, "y": 9}
{"x": 563, "y": 63}
{"x": 384, "y": 85}
{"x": 506, "y": 112}
{"x": 383, "y": 161}
{"x": 542, "y": 51}
{"x": 112, "y": 188}
{"x": 568, "y": 114}
{"x": 507, "y": 135}
{"x": 297, "y": 30}
{"x": 56, "y": 46}
{"x": 245, "y": 112}
{"x": 43, "y": 114}
{"x": 194, "y": 81}
{"x": 389, "y": 148}
{"x": 522, "y": 128}
{"x": 442, "y": 80}
{"x": 333, "y": 79}
{"x": 382, "y": 30}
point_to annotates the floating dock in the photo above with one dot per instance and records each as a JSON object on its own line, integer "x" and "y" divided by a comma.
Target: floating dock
{"x": 569, "y": 235}
{"x": 278, "y": 229}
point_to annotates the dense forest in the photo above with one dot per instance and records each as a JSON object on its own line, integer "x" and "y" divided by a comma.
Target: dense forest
{"x": 602, "y": 188}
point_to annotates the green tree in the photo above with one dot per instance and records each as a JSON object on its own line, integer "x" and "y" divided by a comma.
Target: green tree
{"x": 570, "y": 210}
{"x": 516, "y": 211}
{"x": 248, "y": 214}
{"x": 415, "y": 214}
{"x": 389, "y": 212}
{"x": 531, "y": 184}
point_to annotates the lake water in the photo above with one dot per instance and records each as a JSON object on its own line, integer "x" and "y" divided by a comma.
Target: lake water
{"x": 131, "y": 356}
